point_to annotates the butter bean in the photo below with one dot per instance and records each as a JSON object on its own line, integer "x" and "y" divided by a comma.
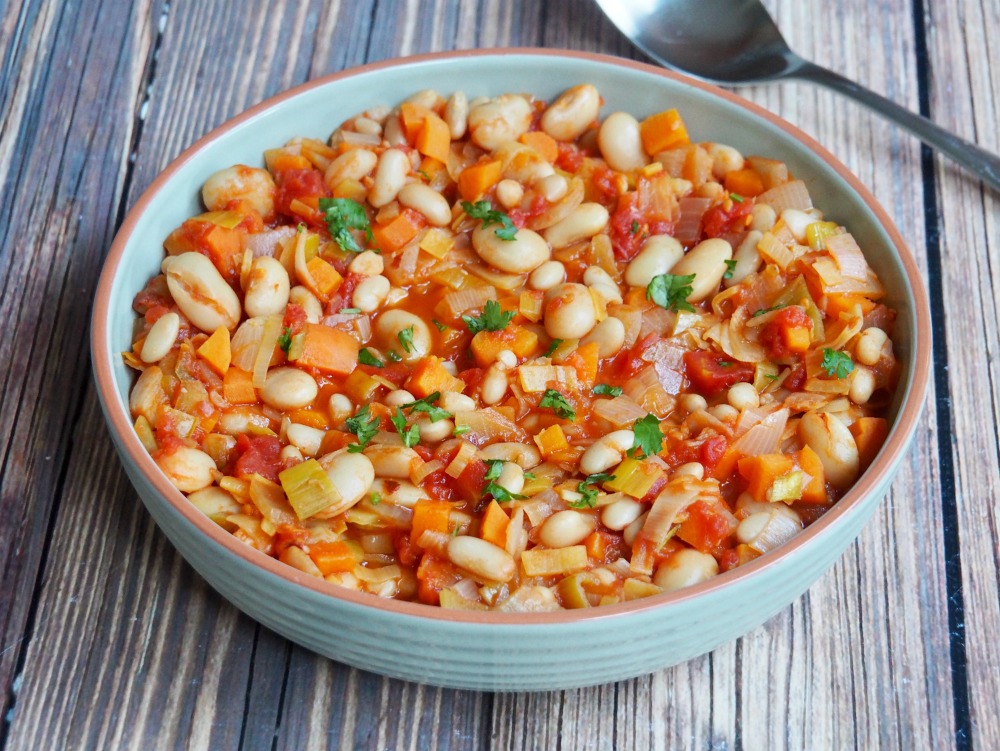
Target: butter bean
{"x": 200, "y": 292}
{"x": 572, "y": 112}
{"x": 620, "y": 514}
{"x": 427, "y": 201}
{"x": 302, "y": 297}
{"x": 268, "y": 288}
{"x": 747, "y": 257}
{"x": 250, "y": 184}
{"x": 565, "y": 528}
{"x": 371, "y": 293}
{"x": 160, "y": 338}
{"x": 351, "y": 474}
{"x": 585, "y": 221}
{"x": 606, "y": 451}
{"x": 685, "y": 568}
{"x": 353, "y": 164}
{"x": 609, "y": 335}
{"x": 481, "y": 558}
{"x": 547, "y": 276}
{"x": 187, "y": 468}
{"x": 621, "y": 144}
{"x": 835, "y": 446}
{"x": 707, "y": 261}
{"x": 390, "y": 176}
{"x": 526, "y": 252}
{"x": 368, "y": 263}
{"x": 456, "y": 114}
{"x": 569, "y": 312}
{"x": 499, "y": 121}
{"x": 658, "y": 255}
{"x": 289, "y": 388}
{"x": 392, "y": 323}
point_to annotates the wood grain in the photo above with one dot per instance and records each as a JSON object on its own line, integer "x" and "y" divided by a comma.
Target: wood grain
{"x": 109, "y": 640}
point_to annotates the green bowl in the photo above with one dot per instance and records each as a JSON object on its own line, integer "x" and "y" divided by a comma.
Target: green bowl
{"x": 484, "y": 650}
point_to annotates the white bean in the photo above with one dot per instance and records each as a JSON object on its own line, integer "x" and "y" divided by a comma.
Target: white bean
{"x": 340, "y": 408}
{"x": 392, "y": 323}
{"x": 161, "y": 337}
{"x": 399, "y": 398}
{"x": 725, "y": 159}
{"x": 763, "y": 217}
{"x": 148, "y": 394}
{"x": 351, "y": 165}
{"x": 724, "y": 412}
{"x": 371, "y": 293}
{"x": 747, "y": 257}
{"x": 868, "y": 349}
{"x": 743, "y": 396}
{"x": 511, "y": 477}
{"x": 862, "y": 385}
{"x": 481, "y": 558}
{"x": 189, "y": 469}
{"x": 427, "y": 201}
{"x": 834, "y": 444}
{"x": 509, "y": 193}
{"x": 392, "y": 461}
{"x": 289, "y": 388}
{"x": 434, "y": 432}
{"x": 685, "y": 568}
{"x": 572, "y": 112}
{"x": 527, "y": 457}
{"x": 392, "y": 131}
{"x": 565, "y": 528}
{"x": 569, "y": 312}
{"x": 620, "y": 142}
{"x": 305, "y": 437}
{"x": 585, "y": 221}
{"x": 215, "y": 503}
{"x": 797, "y": 221}
{"x": 200, "y": 292}
{"x": 399, "y": 492}
{"x": 658, "y": 255}
{"x": 547, "y": 276}
{"x": 707, "y": 261}
{"x": 456, "y": 114}
{"x": 693, "y": 403}
{"x": 609, "y": 335}
{"x": 606, "y": 451}
{"x": 290, "y": 453}
{"x": 267, "y": 289}
{"x": 452, "y": 401}
{"x": 526, "y": 252}
{"x": 242, "y": 183}
{"x": 632, "y": 530}
{"x": 351, "y": 474}
{"x": 367, "y": 126}
{"x": 494, "y": 386}
{"x": 390, "y": 176}
{"x": 552, "y": 188}
{"x": 367, "y": 263}
{"x": 689, "y": 469}
{"x": 305, "y": 299}
{"x": 620, "y": 514}
{"x": 601, "y": 281}
{"x": 499, "y": 121}
{"x": 425, "y": 98}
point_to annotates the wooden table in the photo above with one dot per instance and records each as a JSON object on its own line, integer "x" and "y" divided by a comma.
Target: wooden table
{"x": 109, "y": 640}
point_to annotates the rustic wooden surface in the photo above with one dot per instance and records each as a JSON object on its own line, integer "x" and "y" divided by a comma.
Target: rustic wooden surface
{"x": 109, "y": 640}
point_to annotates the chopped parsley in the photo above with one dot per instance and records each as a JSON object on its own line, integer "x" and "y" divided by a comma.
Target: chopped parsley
{"x": 427, "y": 406}
{"x": 736, "y": 197}
{"x": 730, "y": 268}
{"x": 405, "y": 337}
{"x": 648, "y": 437}
{"x": 836, "y": 364}
{"x": 556, "y": 343}
{"x": 586, "y": 489}
{"x": 484, "y": 211}
{"x": 424, "y": 175}
{"x": 375, "y": 499}
{"x": 350, "y": 311}
{"x": 671, "y": 292}
{"x": 394, "y": 357}
{"x": 410, "y": 435}
{"x": 285, "y": 340}
{"x": 635, "y": 227}
{"x": 493, "y": 318}
{"x": 438, "y": 325}
{"x": 604, "y": 389}
{"x": 529, "y": 475}
{"x": 762, "y": 311}
{"x": 343, "y": 215}
{"x": 365, "y": 357}
{"x": 558, "y": 403}
{"x": 461, "y": 430}
{"x": 363, "y": 427}
{"x": 499, "y": 492}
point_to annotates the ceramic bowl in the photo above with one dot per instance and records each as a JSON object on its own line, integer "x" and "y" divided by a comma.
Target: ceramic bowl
{"x": 482, "y": 650}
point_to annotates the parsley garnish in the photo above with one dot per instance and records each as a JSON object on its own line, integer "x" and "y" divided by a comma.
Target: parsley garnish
{"x": 589, "y": 493}
{"x": 461, "y": 430}
{"x": 438, "y": 325}
{"x": 529, "y": 475}
{"x": 559, "y": 404}
{"x": 494, "y": 318}
{"x": 484, "y": 211}
{"x": 736, "y": 197}
{"x": 375, "y": 499}
{"x": 730, "y": 268}
{"x": 405, "y": 337}
{"x": 603, "y": 389}
{"x": 365, "y": 357}
{"x": 285, "y": 340}
{"x": 341, "y": 216}
{"x": 836, "y": 364}
{"x": 671, "y": 292}
{"x": 424, "y": 175}
{"x": 635, "y": 227}
{"x": 427, "y": 406}
{"x": 364, "y": 428}
{"x": 349, "y": 311}
{"x": 553, "y": 347}
{"x": 648, "y": 437}
{"x": 410, "y": 435}
{"x": 762, "y": 311}
{"x": 394, "y": 357}
{"x": 499, "y": 492}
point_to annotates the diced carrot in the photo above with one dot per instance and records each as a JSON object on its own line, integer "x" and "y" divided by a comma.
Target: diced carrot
{"x": 551, "y": 440}
{"x": 392, "y": 236}
{"x": 476, "y": 179}
{"x": 412, "y": 116}
{"x": 744, "y": 182}
{"x": 815, "y": 489}
{"x": 596, "y": 546}
{"x": 431, "y": 167}
{"x": 350, "y": 188}
{"x": 237, "y": 387}
{"x": 290, "y": 162}
{"x": 430, "y": 515}
{"x": 845, "y": 302}
{"x": 726, "y": 464}
{"x": 309, "y": 417}
{"x": 493, "y": 528}
{"x": 664, "y": 130}
{"x": 332, "y": 557}
{"x": 326, "y": 279}
{"x": 433, "y": 575}
{"x": 328, "y": 349}
{"x": 434, "y": 138}
{"x": 869, "y": 433}
{"x": 216, "y": 351}
{"x": 487, "y": 344}
{"x": 542, "y": 143}
{"x": 585, "y": 360}
{"x": 761, "y": 472}
{"x": 429, "y": 375}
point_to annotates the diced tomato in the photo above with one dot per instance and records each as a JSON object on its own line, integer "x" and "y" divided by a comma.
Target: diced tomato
{"x": 295, "y": 318}
{"x": 570, "y": 157}
{"x": 297, "y": 184}
{"x": 471, "y": 483}
{"x": 707, "y": 527}
{"x": 408, "y": 553}
{"x": 796, "y": 379}
{"x": 538, "y": 206}
{"x": 631, "y": 226}
{"x": 654, "y": 490}
{"x": 258, "y": 455}
{"x": 604, "y": 180}
{"x": 629, "y": 362}
{"x": 720, "y": 221}
{"x": 155, "y": 294}
{"x": 712, "y": 373}
{"x": 788, "y": 333}
{"x": 433, "y": 575}
{"x": 711, "y": 451}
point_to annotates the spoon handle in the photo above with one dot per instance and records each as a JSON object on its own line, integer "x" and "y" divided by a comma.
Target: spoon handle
{"x": 967, "y": 154}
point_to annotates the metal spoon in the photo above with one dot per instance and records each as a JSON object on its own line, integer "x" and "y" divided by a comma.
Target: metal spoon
{"x": 737, "y": 42}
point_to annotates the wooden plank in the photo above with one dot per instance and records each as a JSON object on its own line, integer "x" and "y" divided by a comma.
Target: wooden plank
{"x": 965, "y": 99}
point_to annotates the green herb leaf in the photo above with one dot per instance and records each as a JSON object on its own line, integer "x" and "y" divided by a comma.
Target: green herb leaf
{"x": 405, "y": 337}
{"x": 427, "y": 406}
{"x": 493, "y": 318}
{"x": 730, "y": 268}
{"x": 648, "y": 437}
{"x": 762, "y": 311}
{"x": 410, "y": 435}
{"x": 484, "y": 211}
{"x": 604, "y": 389}
{"x": 529, "y": 475}
{"x": 365, "y": 357}
{"x": 635, "y": 227}
{"x": 556, "y": 343}
{"x": 394, "y": 357}
{"x": 363, "y": 427}
{"x": 736, "y": 197}
{"x": 499, "y": 492}
{"x": 285, "y": 340}
{"x": 558, "y": 403}
{"x": 423, "y": 174}
{"x": 836, "y": 364}
{"x": 438, "y": 325}
{"x": 671, "y": 292}
{"x": 343, "y": 215}
{"x": 586, "y": 488}
{"x": 461, "y": 430}
{"x": 494, "y": 468}
{"x": 349, "y": 311}
{"x": 375, "y": 499}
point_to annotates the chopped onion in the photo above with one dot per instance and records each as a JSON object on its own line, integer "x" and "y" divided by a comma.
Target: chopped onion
{"x": 560, "y": 210}
{"x": 425, "y": 470}
{"x": 466, "y": 452}
{"x": 620, "y": 411}
{"x": 455, "y": 303}
{"x": 488, "y": 425}
{"x": 266, "y": 243}
{"x": 498, "y": 279}
{"x": 517, "y": 535}
{"x": 678, "y": 494}
{"x": 790, "y": 195}
{"x": 692, "y": 210}
{"x": 542, "y": 506}
{"x": 631, "y": 318}
{"x": 766, "y": 530}
{"x": 657, "y": 321}
{"x": 844, "y": 248}
{"x": 360, "y": 139}
{"x": 765, "y": 437}
{"x": 268, "y": 341}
